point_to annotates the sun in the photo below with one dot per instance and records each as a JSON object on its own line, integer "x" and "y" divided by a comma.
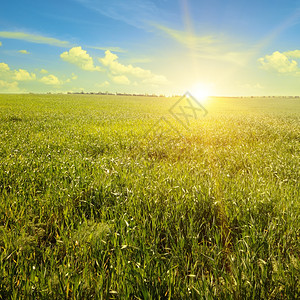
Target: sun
{"x": 201, "y": 91}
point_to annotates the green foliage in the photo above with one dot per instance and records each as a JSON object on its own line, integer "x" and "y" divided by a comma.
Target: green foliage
{"x": 94, "y": 206}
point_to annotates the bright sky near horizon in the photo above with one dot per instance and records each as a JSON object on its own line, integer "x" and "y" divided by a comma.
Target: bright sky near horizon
{"x": 222, "y": 48}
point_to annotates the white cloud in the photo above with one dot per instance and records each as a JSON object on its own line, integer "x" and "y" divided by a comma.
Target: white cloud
{"x": 108, "y": 59}
{"x": 10, "y": 78}
{"x": 111, "y": 61}
{"x": 33, "y": 38}
{"x": 80, "y": 58}
{"x": 120, "y": 79}
{"x": 116, "y": 69}
{"x": 23, "y": 51}
{"x": 4, "y": 67}
{"x": 23, "y": 75}
{"x": 18, "y": 75}
{"x": 51, "y": 80}
{"x": 292, "y": 54}
{"x": 280, "y": 62}
{"x": 8, "y": 86}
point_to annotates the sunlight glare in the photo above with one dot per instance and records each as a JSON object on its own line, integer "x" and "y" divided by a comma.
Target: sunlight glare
{"x": 201, "y": 92}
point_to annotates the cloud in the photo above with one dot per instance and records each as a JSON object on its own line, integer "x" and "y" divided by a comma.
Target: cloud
{"x": 208, "y": 47}
{"x": 156, "y": 80}
{"x": 74, "y": 76}
{"x": 80, "y": 58}
{"x": 15, "y": 75}
{"x": 33, "y": 38}
{"x": 24, "y": 52}
{"x": 51, "y": 80}
{"x": 136, "y": 13}
{"x": 187, "y": 39}
{"x": 23, "y": 75}
{"x": 115, "y": 68}
{"x": 18, "y": 75}
{"x": 120, "y": 79}
{"x": 8, "y": 86}
{"x": 114, "y": 49}
{"x": 140, "y": 60}
{"x": 4, "y": 67}
{"x": 109, "y": 59}
{"x": 292, "y": 54}
{"x": 249, "y": 86}
{"x": 281, "y": 62}
{"x": 11, "y": 78}
{"x": 103, "y": 84}
{"x": 0, "y": 44}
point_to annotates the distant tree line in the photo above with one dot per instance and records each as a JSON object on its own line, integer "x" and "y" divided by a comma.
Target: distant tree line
{"x": 116, "y": 94}
{"x": 161, "y": 95}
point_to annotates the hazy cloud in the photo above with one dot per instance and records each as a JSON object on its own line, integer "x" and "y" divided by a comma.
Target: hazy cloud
{"x": 33, "y": 38}
{"x": 74, "y": 76}
{"x": 120, "y": 79}
{"x": 8, "y": 86}
{"x": 188, "y": 39}
{"x": 140, "y": 60}
{"x": 114, "y": 49}
{"x": 137, "y": 13}
{"x": 208, "y": 47}
{"x": 156, "y": 80}
{"x": 103, "y": 84}
{"x": 80, "y": 58}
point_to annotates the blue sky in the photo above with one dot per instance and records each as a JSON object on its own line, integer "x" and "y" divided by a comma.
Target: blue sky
{"x": 208, "y": 47}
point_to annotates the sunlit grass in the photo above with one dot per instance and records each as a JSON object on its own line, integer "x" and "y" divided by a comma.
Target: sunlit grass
{"x": 91, "y": 207}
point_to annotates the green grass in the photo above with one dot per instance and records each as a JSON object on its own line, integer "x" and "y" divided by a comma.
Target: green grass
{"x": 91, "y": 207}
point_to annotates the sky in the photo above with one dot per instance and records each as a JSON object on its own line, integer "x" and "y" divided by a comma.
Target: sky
{"x": 212, "y": 47}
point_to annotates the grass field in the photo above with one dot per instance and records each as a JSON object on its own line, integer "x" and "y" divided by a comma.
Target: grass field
{"x": 93, "y": 207}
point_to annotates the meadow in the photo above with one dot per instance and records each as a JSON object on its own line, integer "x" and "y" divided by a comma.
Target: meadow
{"x": 96, "y": 205}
